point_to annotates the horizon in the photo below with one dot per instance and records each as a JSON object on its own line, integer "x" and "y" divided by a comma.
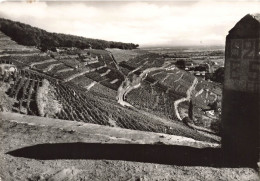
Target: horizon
{"x": 183, "y": 46}
{"x": 147, "y": 23}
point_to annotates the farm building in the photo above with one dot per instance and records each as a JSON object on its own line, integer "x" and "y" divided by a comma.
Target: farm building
{"x": 7, "y": 68}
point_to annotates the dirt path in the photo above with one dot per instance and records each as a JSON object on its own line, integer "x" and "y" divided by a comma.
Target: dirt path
{"x": 179, "y": 77}
{"x": 204, "y": 131}
{"x": 200, "y": 92}
{"x": 21, "y": 54}
{"x": 125, "y": 86}
{"x": 105, "y": 73}
{"x": 88, "y": 87}
{"x": 128, "y": 85}
{"x": 50, "y": 67}
{"x": 42, "y": 62}
{"x": 78, "y": 74}
{"x": 187, "y": 98}
{"x": 215, "y": 95}
{"x": 156, "y": 73}
{"x": 114, "y": 81}
{"x": 65, "y": 70}
{"x": 95, "y": 83}
{"x": 103, "y": 66}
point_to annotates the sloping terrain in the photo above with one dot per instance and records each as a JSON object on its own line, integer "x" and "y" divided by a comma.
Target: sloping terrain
{"x": 39, "y": 95}
{"x": 93, "y": 70}
{"x": 93, "y": 152}
{"x": 125, "y": 55}
{"x": 157, "y": 86}
{"x": 105, "y": 120}
{"x": 97, "y": 73}
{"x": 31, "y": 36}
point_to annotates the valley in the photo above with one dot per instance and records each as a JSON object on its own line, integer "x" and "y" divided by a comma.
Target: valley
{"x": 87, "y": 99}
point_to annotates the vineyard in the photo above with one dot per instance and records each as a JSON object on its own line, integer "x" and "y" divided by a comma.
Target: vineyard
{"x": 97, "y": 77}
{"x": 99, "y": 69}
{"x": 90, "y": 69}
{"x": 23, "y": 88}
{"x": 162, "y": 87}
{"x": 144, "y": 62}
{"x": 75, "y": 105}
{"x": 104, "y": 57}
{"x": 75, "y": 108}
{"x": 125, "y": 55}
{"x": 153, "y": 99}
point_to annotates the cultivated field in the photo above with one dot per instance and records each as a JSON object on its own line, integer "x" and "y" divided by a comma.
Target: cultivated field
{"x": 167, "y": 86}
{"x": 156, "y": 86}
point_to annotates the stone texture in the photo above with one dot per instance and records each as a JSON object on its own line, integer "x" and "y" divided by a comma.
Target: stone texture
{"x": 241, "y": 101}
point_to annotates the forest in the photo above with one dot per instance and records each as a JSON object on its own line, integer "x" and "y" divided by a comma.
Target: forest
{"x": 31, "y": 36}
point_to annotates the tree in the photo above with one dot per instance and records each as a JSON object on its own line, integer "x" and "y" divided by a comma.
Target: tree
{"x": 180, "y": 64}
{"x": 218, "y": 75}
{"x": 191, "y": 110}
{"x": 32, "y": 36}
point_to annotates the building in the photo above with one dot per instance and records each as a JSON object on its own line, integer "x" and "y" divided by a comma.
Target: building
{"x": 7, "y": 69}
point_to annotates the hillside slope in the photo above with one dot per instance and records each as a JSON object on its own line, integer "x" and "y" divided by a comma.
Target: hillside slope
{"x": 82, "y": 85}
{"x": 31, "y": 36}
{"x": 156, "y": 85}
{"x": 39, "y": 95}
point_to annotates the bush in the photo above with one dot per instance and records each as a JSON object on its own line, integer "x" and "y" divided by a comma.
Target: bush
{"x": 218, "y": 75}
{"x": 180, "y": 64}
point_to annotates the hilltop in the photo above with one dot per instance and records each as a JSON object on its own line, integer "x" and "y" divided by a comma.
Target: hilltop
{"x": 31, "y": 36}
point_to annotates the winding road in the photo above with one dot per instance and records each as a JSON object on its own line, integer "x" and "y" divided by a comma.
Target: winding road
{"x": 128, "y": 85}
{"x": 187, "y": 98}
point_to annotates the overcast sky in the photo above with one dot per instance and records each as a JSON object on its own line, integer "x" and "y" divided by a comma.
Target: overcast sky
{"x": 148, "y": 23}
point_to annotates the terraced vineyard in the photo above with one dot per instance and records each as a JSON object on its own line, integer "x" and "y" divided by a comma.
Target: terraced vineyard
{"x": 97, "y": 77}
{"x": 78, "y": 106}
{"x": 125, "y": 55}
{"x": 144, "y": 62}
{"x": 23, "y": 88}
{"x": 100, "y": 72}
{"x": 162, "y": 87}
{"x": 154, "y": 99}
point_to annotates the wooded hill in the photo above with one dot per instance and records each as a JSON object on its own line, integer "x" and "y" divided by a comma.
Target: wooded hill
{"x": 31, "y": 36}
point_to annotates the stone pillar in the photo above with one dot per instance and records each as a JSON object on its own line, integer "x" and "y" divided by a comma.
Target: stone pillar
{"x": 241, "y": 93}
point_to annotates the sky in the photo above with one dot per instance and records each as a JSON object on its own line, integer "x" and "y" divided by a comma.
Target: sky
{"x": 147, "y": 23}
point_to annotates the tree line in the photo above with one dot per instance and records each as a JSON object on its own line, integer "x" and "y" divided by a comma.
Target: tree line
{"x": 31, "y": 36}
